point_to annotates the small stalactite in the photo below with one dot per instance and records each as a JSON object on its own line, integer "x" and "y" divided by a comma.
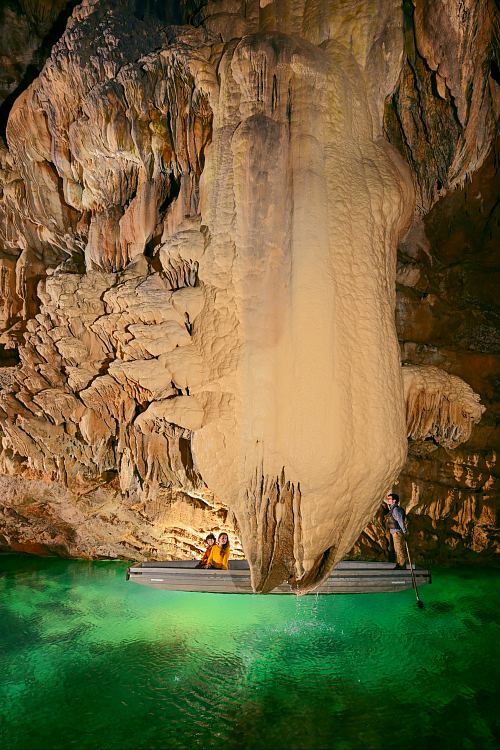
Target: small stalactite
{"x": 179, "y": 272}
{"x": 439, "y": 406}
{"x": 275, "y": 526}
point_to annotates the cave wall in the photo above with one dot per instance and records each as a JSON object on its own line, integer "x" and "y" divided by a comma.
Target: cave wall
{"x": 447, "y": 315}
{"x": 115, "y": 257}
{"x": 447, "y": 311}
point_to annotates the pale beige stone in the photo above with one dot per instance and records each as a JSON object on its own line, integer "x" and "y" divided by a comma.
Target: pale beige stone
{"x": 439, "y": 406}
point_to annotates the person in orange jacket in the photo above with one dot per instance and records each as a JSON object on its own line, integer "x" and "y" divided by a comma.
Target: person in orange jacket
{"x": 219, "y": 554}
{"x": 210, "y": 541}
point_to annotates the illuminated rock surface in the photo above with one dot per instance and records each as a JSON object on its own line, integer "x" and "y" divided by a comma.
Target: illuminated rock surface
{"x": 199, "y": 227}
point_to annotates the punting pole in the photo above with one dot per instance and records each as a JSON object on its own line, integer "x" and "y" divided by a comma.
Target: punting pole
{"x": 420, "y": 603}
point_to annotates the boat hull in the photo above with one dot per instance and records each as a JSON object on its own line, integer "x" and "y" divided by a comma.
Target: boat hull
{"x": 346, "y": 578}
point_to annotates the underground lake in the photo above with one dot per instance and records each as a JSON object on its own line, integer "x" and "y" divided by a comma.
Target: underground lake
{"x": 89, "y": 661}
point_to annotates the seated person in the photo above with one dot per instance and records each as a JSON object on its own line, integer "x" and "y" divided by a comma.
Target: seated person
{"x": 219, "y": 554}
{"x": 210, "y": 541}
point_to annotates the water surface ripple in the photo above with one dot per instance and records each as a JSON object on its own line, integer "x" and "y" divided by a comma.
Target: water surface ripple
{"x": 88, "y": 661}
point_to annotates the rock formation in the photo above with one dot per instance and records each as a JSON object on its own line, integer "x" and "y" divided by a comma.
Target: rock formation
{"x": 199, "y": 217}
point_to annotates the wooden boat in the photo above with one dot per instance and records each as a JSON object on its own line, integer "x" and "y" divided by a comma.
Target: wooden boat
{"x": 346, "y": 578}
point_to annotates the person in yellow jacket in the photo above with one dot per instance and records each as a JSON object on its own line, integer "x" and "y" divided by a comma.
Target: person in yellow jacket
{"x": 219, "y": 554}
{"x": 209, "y": 541}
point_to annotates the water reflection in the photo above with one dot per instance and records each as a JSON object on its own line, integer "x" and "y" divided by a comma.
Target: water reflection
{"x": 96, "y": 662}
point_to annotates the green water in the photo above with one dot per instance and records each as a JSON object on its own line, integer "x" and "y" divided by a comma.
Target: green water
{"x": 90, "y": 661}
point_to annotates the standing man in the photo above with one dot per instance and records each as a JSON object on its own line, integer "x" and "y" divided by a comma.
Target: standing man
{"x": 395, "y": 521}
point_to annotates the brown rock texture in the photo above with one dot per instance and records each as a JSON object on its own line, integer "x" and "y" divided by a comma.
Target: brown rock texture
{"x": 443, "y": 114}
{"x": 453, "y": 494}
{"x": 448, "y": 269}
{"x": 199, "y": 221}
{"x": 28, "y": 28}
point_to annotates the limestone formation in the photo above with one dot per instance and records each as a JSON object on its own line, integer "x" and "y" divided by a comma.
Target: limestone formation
{"x": 444, "y": 111}
{"x": 439, "y": 406}
{"x": 447, "y": 316}
{"x": 199, "y": 225}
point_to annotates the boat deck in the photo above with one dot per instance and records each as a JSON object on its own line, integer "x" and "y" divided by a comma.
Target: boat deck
{"x": 346, "y": 578}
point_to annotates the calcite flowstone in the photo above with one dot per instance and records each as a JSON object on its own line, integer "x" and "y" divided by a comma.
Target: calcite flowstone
{"x": 200, "y": 226}
{"x": 103, "y": 522}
